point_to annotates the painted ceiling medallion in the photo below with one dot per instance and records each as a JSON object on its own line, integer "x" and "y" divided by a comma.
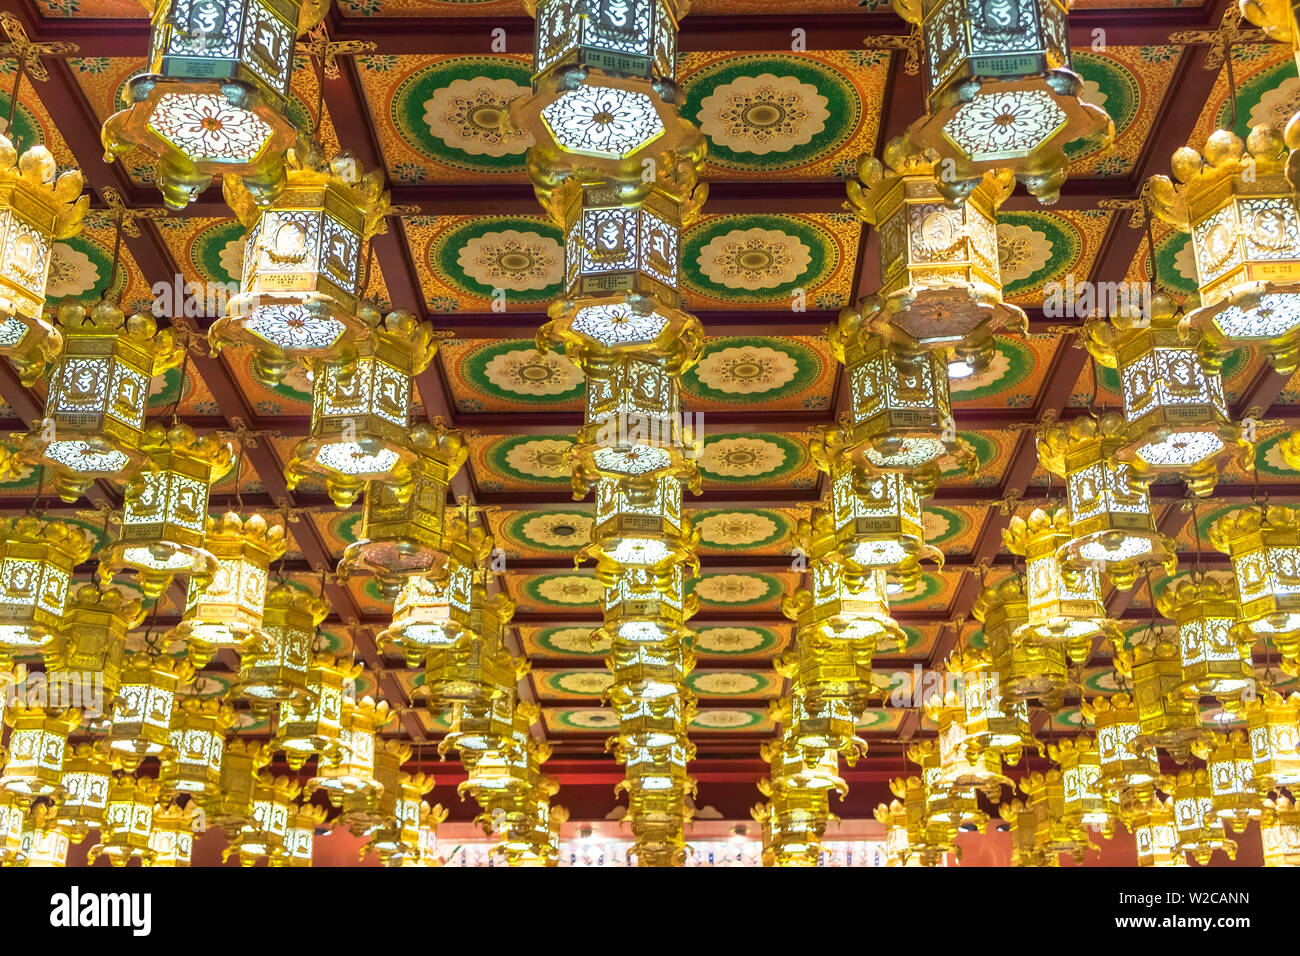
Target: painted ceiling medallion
{"x": 726, "y": 683}
{"x": 529, "y": 372}
{"x": 72, "y": 272}
{"x": 726, "y": 719}
{"x": 731, "y": 640}
{"x": 754, "y": 258}
{"x": 466, "y": 115}
{"x": 746, "y": 370}
{"x": 1022, "y": 251}
{"x": 589, "y": 719}
{"x": 591, "y": 683}
{"x": 732, "y": 588}
{"x": 736, "y": 528}
{"x": 569, "y": 589}
{"x": 573, "y": 640}
{"x": 763, "y": 114}
{"x": 741, "y": 457}
{"x": 540, "y": 458}
{"x": 512, "y": 260}
{"x": 561, "y": 529}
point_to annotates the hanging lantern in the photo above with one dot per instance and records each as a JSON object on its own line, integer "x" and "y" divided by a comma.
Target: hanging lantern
{"x": 603, "y": 96}
{"x": 658, "y": 822}
{"x": 397, "y": 839}
{"x": 928, "y": 843}
{"x": 1241, "y": 213}
{"x": 1110, "y": 514}
{"x": 36, "y": 561}
{"x": 957, "y": 763}
{"x": 1025, "y": 671}
{"x": 128, "y": 821}
{"x": 300, "y": 836}
{"x": 949, "y": 809}
{"x": 640, "y": 524}
{"x": 1127, "y": 765}
{"x": 1025, "y": 825}
{"x": 196, "y": 746}
{"x": 277, "y": 670}
{"x": 263, "y": 836}
{"x": 1000, "y": 93}
{"x": 1199, "y": 831}
{"x": 826, "y": 669}
{"x": 44, "y": 844}
{"x": 1264, "y": 545}
{"x": 1084, "y": 802}
{"x": 98, "y": 390}
{"x": 302, "y": 280}
{"x": 1216, "y": 660}
{"x": 1167, "y": 719}
{"x": 1057, "y": 832}
{"x": 513, "y": 766}
{"x": 1279, "y": 832}
{"x": 213, "y": 99}
{"x": 1174, "y": 407}
{"x": 478, "y": 726}
{"x": 38, "y": 738}
{"x": 644, "y": 607}
{"x": 142, "y": 714}
{"x": 1274, "y": 726}
{"x": 941, "y": 286}
{"x": 1156, "y": 836}
{"x": 165, "y": 515}
{"x": 793, "y": 823}
{"x": 226, "y": 613}
{"x": 350, "y": 768}
{"x": 1235, "y": 795}
{"x": 314, "y": 725}
{"x": 84, "y": 783}
{"x": 360, "y": 409}
{"x": 477, "y": 669}
{"x": 990, "y": 721}
{"x": 36, "y": 209}
{"x": 368, "y": 808}
{"x": 898, "y": 850}
{"x": 93, "y": 638}
{"x": 171, "y": 842}
{"x": 1059, "y": 612}
{"x": 232, "y": 805}
{"x": 13, "y": 812}
{"x": 402, "y": 536}
{"x": 819, "y": 724}
{"x": 901, "y": 416}
{"x": 438, "y": 611}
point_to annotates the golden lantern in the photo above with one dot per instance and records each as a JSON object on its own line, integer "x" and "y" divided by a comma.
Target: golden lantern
{"x": 213, "y": 99}
{"x": 141, "y": 721}
{"x": 128, "y": 821}
{"x": 92, "y": 641}
{"x": 195, "y": 748}
{"x": 1128, "y": 766}
{"x": 314, "y": 725}
{"x": 1279, "y": 832}
{"x": 300, "y": 291}
{"x": 84, "y": 783}
{"x": 528, "y": 830}
{"x": 1216, "y": 659}
{"x": 350, "y": 768}
{"x": 226, "y": 612}
{"x": 479, "y": 726}
{"x": 1025, "y": 825}
{"x": 1264, "y": 545}
{"x": 603, "y": 96}
{"x": 640, "y": 524}
{"x": 941, "y": 286}
{"x": 38, "y": 739}
{"x": 1058, "y": 832}
{"x": 1155, "y": 835}
{"x": 360, "y": 410}
{"x": 300, "y": 836}
{"x": 825, "y": 669}
{"x": 36, "y": 561}
{"x": 368, "y": 808}
{"x": 793, "y": 822}
{"x": 165, "y": 515}
{"x": 232, "y": 805}
{"x": 819, "y": 724}
{"x": 473, "y": 670}
{"x": 1000, "y": 93}
{"x": 990, "y": 720}
{"x": 1059, "y": 611}
{"x": 1273, "y": 722}
{"x": 1167, "y": 719}
{"x": 952, "y": 762}
{"x": 402, "y": 536}
{"x": 37, "y": 208}
{"x": 948, "y": 809}
{"x": 13, "y": 814}
{"x": 277, "y": 670}
{"x": 1110, "y": 513}
{"x": 512, "y": 765}
{"x": 928, "y": 842}
{"x": 264, "y": 833}
{"x": 1025, "y": 671}
{"x": 644, "y": 607}
{"x": 1277, "y": 18}
{"x": 1176, "y": 416}
{"x": 901, "y": 415}
{"x": 898, "y": 850}
{"x": 44, "y": 844}
{"x": 432, "y": 612}
{"x": 1199, "y": 831}
{"x": 1084, "y": 802}
{"x": 94, "y": 410}
{"x": 658, "y": 823}
{"x": 398, "y": 839}
{"x": 793, "y": 768}
{"x": 171, "y": 841}
{"x": 1241, "y": 213}
{"x": 1235, "y": 795}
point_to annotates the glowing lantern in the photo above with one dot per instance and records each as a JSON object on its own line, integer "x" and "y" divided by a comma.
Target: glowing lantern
{"x": 263, "y": 834}
{"x": 371, "y": 807}
{"x": 1056, "y": 831}
{"x": 128, "y": 821}
{"x": 1174, "y": 407}
{"x": 301, "y": 285}
{"x": 477, "y": 669}
{"x": 941, "y": 286}
{"x": 402, "y": 535}
{"x": 314, "y": 724}
{"x": 397, "y": 840}
{"x": 1167, "y": 719}
{"x": 794, "y": 822}
{"x": 87, "y": 773}
{"x": 640, "y": 524}
{"x": 823, "y": 668}
{"x": 898, "y": 849}
{"x": 226, "y": 612}
{"x": 1199, "y": 831}
{"x": 232, "y": 805}
{"x": 44, "y": 843}
{"x": 1216, "y": 660}
{"x": 927, "y": 843}
{"x": 13, "y": 812}
{"x": 171, "y": 842}
{"x": 36, "y": 209}
{"x": 213, "y": 100}
{"x": 990, "y": 721}
{"x": 1241, "y": 212}
{"x": 792, "y": 768}
{"x": 93, "y": 639}
{"x": 1233, "y": 788}
{"x": 1110, "y": 514}
{"x": 1155, "y": 835}
{"x": 1279, "y": 832}
{"x": 1085, "y": 804}
{"x": 36, "y": 561}
{"x": 300, "y": 836}
{"x": 360, "y": 409}
{"x": 277, "y": 670}
{"x": 1128, "y": 765}
{"x": 196, "y": 746}
{"x": 98, "y": 392}
{"x": 819, "y": 724}
{"x": 1264, "y": 545}
{"x": 1024, "y": 824}
{"x": 142, "y": 714}
{"x": 38, "y": 739}
{"x": 953, "y": 761}
{"x": 1274, "y": 725}
{"x": 1025, "y": 671}
{"x": 350, "y": 768}
{"x": 1000, "y": 92}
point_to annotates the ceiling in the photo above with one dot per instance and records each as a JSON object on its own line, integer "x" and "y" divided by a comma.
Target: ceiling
{"x": 408, "y": 78}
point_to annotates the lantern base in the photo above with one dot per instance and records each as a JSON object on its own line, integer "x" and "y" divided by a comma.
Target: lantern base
{"x": 1194, "y": 453}
{"x": 962, "y": 317}
{"x": 284, "y": 329}
{"x": 1122, "y": 556}
{"x": 391, "y": 562}
{"x": 156, "y": 565}
{"x": 1266, "y": 314}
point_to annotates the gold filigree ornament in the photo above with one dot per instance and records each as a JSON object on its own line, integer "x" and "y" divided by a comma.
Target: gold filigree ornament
{"x": 1263, "y": 544}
